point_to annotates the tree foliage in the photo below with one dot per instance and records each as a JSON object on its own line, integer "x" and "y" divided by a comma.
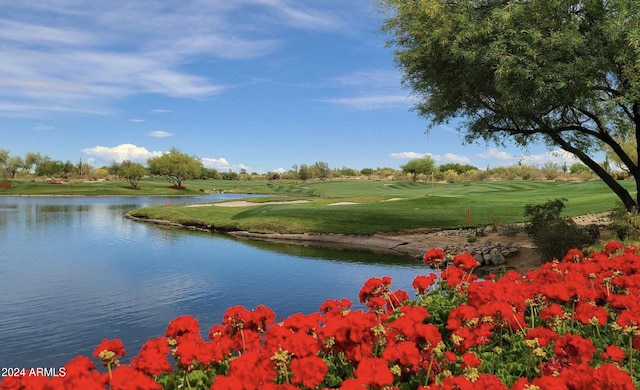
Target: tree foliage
{"x": 132, "y": 172}
{"x": 419, "y": 166}
{"x": 457, "y": 168}
{"x": 175, "y": 166}
{"x": 13, "y": 165}
{"x": 565, "y": 73}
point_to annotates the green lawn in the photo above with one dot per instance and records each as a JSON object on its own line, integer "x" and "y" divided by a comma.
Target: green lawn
{"x": 385, "y": 206}
{"x": 147, "y": 187}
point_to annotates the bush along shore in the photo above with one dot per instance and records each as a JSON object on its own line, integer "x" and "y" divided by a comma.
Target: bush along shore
{"x": 571, "y": 324}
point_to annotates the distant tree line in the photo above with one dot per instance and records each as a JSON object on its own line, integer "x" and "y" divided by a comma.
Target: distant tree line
{"x": 425, "y": 168}
{"x": 37, "y": 165}
{"x": 177, "y": 167}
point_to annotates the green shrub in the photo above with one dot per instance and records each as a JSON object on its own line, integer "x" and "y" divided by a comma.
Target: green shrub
{"x": 554, "y": 235}
{"x": 510, "y": 229}
{"x": 626, "y": 225}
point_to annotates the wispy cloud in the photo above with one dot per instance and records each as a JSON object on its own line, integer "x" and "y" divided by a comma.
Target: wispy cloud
{"x": 84, "y": 56}
{"x": 372, "y": 102}
{"x": 160, "y": 134}
{"x": 407, "y": 155}
{"x": 120, "y": 153}
{"x": 136, "y": 120}
{"x": 43, "y": 127}
{"x": 373, "y": 89}
{"x": 371, "y": 78}
{"x": 160, "y": 111}
{"x": 34, "y": 33}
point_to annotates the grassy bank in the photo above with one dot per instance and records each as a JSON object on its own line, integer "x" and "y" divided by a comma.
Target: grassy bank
{"x": 387, "y": 206}
{"x": 147, "y": 187}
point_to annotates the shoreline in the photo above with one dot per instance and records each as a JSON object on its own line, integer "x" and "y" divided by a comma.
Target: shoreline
{"x": 375, "y": 243}
{"x": 409, "y": 244}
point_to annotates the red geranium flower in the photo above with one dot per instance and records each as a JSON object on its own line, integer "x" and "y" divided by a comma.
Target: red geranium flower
{"x": 608, "y": 376}
{"x": 543, "y": 335}
{"x": 470, "y": 360}
{"x": 309, "y": 371}
{"x": 434, "y": 258}
{"x": 374, "y": 372}
{"x": 152, "y": 358}
{"x": 406, "y": 353}
{"x": 108, "y": 351}
{"x": 127, "y": 378}
{"x": 573, "y": 255}
{"x": 182, "y": 325}
{"x": 575, "y": 348}
{"x": 422, "y": 283}
{"x": 613, "y": 352}
{"x": 613, "y": 246}
{"x": 587, "y": 313}
{"x": 465, "y": 261}
{"x": 374, "y": 287}
{"x": 114, "y": 346}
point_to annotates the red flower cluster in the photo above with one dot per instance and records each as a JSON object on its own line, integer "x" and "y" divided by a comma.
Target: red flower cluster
{"x": 573, "y": 324}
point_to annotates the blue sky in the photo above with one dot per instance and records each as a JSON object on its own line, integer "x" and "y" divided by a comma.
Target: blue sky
{"x": 253, "y": 84}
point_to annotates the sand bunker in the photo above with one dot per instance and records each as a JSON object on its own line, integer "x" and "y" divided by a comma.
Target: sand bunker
{"x": 244, "y": 203}
{"x": 343, "y": 203}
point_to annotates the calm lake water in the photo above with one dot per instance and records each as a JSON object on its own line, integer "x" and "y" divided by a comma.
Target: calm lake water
{"x": 74, "y": 271}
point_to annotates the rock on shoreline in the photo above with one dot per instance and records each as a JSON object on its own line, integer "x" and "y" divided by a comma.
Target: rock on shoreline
{"x": 487, "y": 253}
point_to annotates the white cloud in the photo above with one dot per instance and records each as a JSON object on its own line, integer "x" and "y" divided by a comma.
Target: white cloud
{"x": 223, "y": 165}
{"x": 494, "y": 153}
{"x": 446, "y": 158}
{"x": 33, "y": 33}
{"x": 407, "y": 155}
{"x": 82, "y": 56}
{"x": 87, "y": 80}
{"x": 225, "y": 46}
{"x": 298, "y": 14}
{"x": 220, "y": 164}
{"x": 43, "y": 127}
{"x": 23, "y": 110}
{"x": 505, "y": 158}
{"x": 372, "y": 102}
{"x": 455, "y": 158}
{"x": 160, "y": 134}
{"x": 121, "y": 152}
{"x": 370, "y": 89}
{"x": 160, "y": 111}
{"x": 554, "y": 156}
{"x": 136, "y": 120}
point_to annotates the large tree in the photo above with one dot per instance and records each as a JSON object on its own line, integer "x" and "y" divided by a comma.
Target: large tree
{"x": 175, "y": 166}
{"x": 419, "y": 166}
{"x": 132, "y": 172}
{"x": 561, "y": 72}
{"x": 4, "y": 158}
{"x": 13, "y": 165}
{"x": 31, "y": 162}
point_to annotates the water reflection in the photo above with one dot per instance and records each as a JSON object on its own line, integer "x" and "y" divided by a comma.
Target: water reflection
{"x": 338, "y": 252}
{"x": 74, "y": 271}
